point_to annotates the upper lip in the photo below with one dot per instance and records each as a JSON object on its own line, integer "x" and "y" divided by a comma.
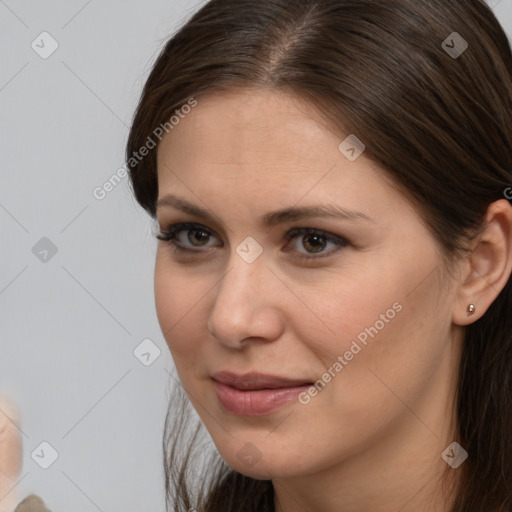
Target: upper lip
{"x": 253, "y": 381}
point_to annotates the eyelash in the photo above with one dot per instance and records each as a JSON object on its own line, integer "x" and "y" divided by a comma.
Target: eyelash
{"x": 169, "y": 236}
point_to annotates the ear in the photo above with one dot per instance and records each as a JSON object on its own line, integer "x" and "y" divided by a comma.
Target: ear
{"x": 488, "y": 266}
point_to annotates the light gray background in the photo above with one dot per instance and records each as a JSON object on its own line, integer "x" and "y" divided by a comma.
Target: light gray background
{"x": 69, "y": 325}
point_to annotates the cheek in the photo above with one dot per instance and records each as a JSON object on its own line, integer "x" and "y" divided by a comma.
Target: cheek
{"x": 178, "y": 301}
{"x": 351, "y": 312}
{"x": 389, "y": 321}
{"x": 391, "y": 355}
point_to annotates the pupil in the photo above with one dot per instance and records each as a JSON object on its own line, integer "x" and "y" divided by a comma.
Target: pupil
{"x": 202, "y": 238}
{"x": 318, "y": 242}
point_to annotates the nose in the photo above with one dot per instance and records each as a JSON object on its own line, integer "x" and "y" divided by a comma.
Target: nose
{"x": 246, "y": 306}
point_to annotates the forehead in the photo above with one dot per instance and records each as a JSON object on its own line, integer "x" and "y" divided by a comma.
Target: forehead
{"x": 257, "y": 148}
{"x": 251, "y": 132}
{"x": 245, "y": 122}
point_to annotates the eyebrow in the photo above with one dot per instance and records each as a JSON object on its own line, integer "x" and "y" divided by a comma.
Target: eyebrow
{"x": 272, "y": 218}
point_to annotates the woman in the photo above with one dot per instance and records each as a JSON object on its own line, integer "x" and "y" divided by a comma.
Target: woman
{"x": 330, "y": 180}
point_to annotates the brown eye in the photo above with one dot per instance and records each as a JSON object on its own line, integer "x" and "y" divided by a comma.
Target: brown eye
{"x": 314, "y": 243}
{"x": 187, "y": 236}
{"x": 198, "y": 235}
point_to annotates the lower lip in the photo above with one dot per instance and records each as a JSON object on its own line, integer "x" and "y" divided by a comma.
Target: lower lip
{"x": 258, "y": 402}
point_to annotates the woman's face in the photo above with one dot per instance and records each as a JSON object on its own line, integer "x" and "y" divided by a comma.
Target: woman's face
{"x": 355, "y": 304}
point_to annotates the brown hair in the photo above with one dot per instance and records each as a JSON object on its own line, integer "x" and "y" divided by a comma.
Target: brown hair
{"x": 439, "y": 123}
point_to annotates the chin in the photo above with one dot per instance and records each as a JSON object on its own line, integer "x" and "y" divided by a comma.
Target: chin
{"x": 254, "y": 463}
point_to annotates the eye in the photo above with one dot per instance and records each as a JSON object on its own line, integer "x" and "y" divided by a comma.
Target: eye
{"x": 190, "y": 237}
{"x": 180, "y": 235}
{"x": 315, "y": 241}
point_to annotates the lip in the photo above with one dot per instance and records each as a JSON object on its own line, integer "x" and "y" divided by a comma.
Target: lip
{"x": 256, "y": 394}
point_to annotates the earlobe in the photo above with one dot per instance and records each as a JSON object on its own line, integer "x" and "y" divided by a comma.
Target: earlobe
{"x": 488, "y": 267}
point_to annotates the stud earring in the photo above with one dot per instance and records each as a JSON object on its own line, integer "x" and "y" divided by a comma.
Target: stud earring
{"x": 471, "y": 309}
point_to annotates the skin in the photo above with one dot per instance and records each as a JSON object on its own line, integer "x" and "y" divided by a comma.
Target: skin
{"x": 10, "y": 454}
{"x": 10, "y": 462}
{"x": 372, "y": 438}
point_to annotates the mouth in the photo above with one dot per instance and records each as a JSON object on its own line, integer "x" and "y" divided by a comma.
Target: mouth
{"x": 257, "y": 381}
{"x": 256, "y": 394}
